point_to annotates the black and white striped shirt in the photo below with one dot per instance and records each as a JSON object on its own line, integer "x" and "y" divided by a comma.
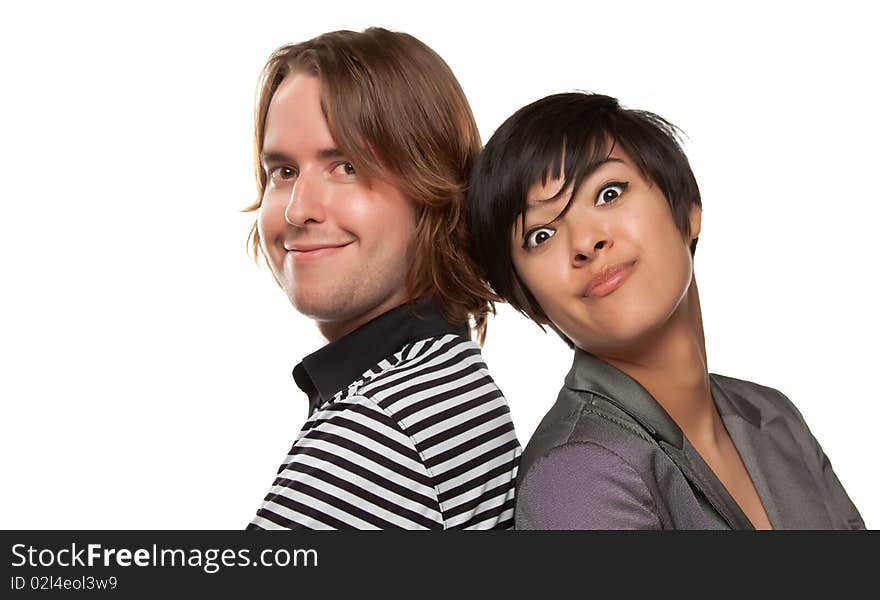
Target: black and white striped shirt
{"x": 407, "y": 430}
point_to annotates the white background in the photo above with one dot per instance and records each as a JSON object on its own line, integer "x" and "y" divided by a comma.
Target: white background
{"x": 146, "y": 359}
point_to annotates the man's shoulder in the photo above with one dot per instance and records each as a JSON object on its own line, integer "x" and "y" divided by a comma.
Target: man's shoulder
{"x": 438, "y": 395}
{"x": 437, "y": 370}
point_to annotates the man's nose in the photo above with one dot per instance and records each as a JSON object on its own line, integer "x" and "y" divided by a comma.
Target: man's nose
{"x": 305, "y": 203}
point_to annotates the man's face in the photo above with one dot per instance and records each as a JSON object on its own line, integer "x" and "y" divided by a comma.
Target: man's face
{"x": 337, "y": 246}
{"x": 615, "y": 268}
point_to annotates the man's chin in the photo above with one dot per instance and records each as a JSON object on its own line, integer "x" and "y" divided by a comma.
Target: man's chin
{"x": 318, "y": 309}
{"x": 324, "y": 304}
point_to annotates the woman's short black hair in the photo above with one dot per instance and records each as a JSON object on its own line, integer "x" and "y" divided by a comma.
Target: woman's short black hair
{"x": 568, "y": 136}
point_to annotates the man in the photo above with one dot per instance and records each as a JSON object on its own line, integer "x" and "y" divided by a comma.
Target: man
{"x": 363, "y": 143}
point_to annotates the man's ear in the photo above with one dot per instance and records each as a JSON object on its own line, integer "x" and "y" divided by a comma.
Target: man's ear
{"x": 695, "y": 217}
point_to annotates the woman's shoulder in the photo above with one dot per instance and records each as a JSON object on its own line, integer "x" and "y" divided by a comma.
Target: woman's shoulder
{"x": 585, "y": 485}
{"x": 587, "y": 448}
{"x": 579, "y": 418}
{"x": 595, "y": 469}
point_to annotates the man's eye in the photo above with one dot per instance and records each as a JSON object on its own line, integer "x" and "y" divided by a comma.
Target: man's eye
{"x": 610, "y": 193}
{"x": 538, "y": 236}
{"x": 344, "y": 168}
{"x": 282, "y": 173}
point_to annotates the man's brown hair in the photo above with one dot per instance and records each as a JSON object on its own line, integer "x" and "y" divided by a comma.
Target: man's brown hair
{"x": 396, "y": 110}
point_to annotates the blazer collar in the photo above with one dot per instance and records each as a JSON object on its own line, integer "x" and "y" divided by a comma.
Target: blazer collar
{"x": 733, "y": 401}
{"x": 590, "y": 374}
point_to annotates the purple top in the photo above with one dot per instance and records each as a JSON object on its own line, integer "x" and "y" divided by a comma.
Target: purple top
{"x": 608, "y": 456}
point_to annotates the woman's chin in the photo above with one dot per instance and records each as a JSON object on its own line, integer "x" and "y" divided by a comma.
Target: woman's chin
{"x": 626, "y": 340}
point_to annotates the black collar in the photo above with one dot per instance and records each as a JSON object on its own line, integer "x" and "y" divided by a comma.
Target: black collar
{"x": 332, "y": 368}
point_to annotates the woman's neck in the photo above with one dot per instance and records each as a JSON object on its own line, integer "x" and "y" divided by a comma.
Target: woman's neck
{"x": 671, "y": 365}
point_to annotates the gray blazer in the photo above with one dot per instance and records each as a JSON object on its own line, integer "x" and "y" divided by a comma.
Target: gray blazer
{"x": 608, "y": 456}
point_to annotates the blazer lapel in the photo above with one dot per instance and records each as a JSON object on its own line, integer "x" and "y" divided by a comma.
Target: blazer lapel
{"x": 773, "y": 459}
{"x": 701, "y": 477}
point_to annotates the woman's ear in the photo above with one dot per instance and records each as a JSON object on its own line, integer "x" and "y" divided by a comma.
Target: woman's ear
{"x": 695, "y": 217}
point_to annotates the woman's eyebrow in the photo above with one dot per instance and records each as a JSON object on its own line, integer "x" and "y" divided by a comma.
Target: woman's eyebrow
{"x": 536, "y": 204}
{"x": 601, "y": 165}
{"x": 539, "y": 203}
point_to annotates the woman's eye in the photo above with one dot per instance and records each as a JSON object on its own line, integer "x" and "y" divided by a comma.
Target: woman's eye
{"x": 282, "y": 173}
{"x": 344, "y": 168}
{"x": 538, "y": 236}
{"x": 610, "y": 193}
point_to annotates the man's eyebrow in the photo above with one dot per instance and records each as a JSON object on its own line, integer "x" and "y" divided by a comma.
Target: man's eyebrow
{"x": 330, "y": 153}
{"x": 272, "y": 156}
{"x": 538, "y": 203}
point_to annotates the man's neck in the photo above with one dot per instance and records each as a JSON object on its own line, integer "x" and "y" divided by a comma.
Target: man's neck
{"x": 334, "y": 330}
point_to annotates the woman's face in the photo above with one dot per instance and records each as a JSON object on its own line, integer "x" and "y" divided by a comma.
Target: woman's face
{"x": 614, "y": 269}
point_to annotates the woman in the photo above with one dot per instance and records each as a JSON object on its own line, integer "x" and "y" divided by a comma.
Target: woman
{"x": 585, "y": 217}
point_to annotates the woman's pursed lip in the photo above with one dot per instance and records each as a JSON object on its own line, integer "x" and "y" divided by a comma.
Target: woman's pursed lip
{"x": 608, "y": 279}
